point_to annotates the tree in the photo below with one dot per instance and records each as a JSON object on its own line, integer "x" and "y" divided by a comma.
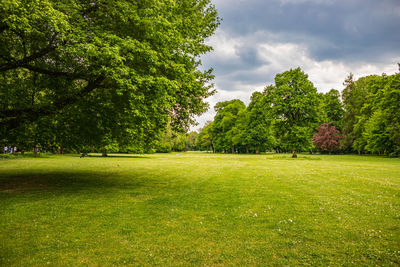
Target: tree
{"x": 172, "y": 141}
{"x": 241, "y": 130}
{"x": 191, "y": 140}
{"x": 332, "y": 107}
{"x": 354, "y": 97}
{"x": 327, "y": 138}
{"x": 371, "y": 119}
{"x": 204, "y": 139}
{"x": 223, "y": 129}
{"x": 381, "y": 116}
{"x": 257, "y": 131}
{"x": 95, "y": 72}
{"x": 292, "y": 100}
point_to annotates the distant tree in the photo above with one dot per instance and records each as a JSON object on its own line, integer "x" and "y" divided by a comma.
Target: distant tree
{"x": 204, "y": 140}
{"x": 327, "y": 138}
{"x": 332, "y": 106}
{"x": 241, "y": 136}
{"x": 259, "y": 129}
{"x": 354, "y": 97}
{"x": 191, "y": 140}
{"x": 223, "y": 129}
{"x": 371, "y": 118}
{"x": 293, "y": 104}
{"x": 171, "y": 140}
{"x": 380, "y": 119}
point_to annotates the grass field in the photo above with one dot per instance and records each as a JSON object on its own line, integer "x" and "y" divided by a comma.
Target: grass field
{"x": 200, "y": 209}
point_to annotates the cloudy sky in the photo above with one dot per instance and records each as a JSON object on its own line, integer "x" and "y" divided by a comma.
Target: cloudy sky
{"x": 328, "y": 39}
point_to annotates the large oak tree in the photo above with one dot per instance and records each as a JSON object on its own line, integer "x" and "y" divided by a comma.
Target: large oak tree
{"x": 97, "y": 72}
{"x": 293, "y": 100}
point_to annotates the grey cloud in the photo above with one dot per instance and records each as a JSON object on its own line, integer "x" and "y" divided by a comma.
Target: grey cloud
{"x": 246, "y": 57}
{"x": 326, "y": 38}
{"x": 346, "y": 31}
{"x": 363, "y": 28}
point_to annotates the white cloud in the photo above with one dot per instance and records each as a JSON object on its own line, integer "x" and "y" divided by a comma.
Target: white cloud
{"x": 222, "y": 95}
{"x": 224, "y": 46}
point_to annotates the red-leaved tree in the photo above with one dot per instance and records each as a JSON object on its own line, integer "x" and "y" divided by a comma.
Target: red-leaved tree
{"x": 327, "y": 137}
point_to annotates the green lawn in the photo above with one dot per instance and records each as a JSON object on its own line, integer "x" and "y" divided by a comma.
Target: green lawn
{"x": 200, "y": 209}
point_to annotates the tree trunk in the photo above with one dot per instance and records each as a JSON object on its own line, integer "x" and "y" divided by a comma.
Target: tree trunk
{"x": 186, "y": 147}
{"x": 61, "y": 150}
{"x": 233, "y": 149}
{"x": 294, "y": 155}
{"x": 257, "y": 151}
{"x": 104, "y": 153}
{"x": 35, "y": 151}
{"x": 247, "y": 149}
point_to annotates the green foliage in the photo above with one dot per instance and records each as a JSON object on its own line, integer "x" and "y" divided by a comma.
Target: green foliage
{"x": 205, "y": 138}
{"x": 371, "y": 119}
{"x": 259, "y": 124}
{"x": 286, "y": 115}
{"x": 223, "y": 129}
{"x": 293, "y": 101}
{"x": 332, "y": 107}
{"x": 86, "y": 73}
{"x": 354, "y": 97}
{"x": 191, "y": 140}
{"x": 171, "y": 141}
{"x": 382, "y": 128}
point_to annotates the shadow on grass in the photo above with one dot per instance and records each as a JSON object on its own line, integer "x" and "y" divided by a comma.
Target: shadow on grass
{"x": 63, "y": 182}
{"x": 289, "y": 157}
{"x": 117, "y": 156}
{"x": 26, "y": 155}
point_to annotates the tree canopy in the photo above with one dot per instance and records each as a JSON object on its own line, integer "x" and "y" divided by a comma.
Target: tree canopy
{"x": 99, "y": 72}
{"x": 327, "y": 138}
{"x": 293, "y": 99}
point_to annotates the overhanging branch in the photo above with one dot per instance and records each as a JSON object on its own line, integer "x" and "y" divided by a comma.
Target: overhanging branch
{"x": 13, "y": 118}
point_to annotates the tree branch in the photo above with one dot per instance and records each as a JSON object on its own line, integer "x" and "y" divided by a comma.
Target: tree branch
{"x": 13, "y": 118}
{"x": 19, "y": 63}
{"x": 51, "y": 72}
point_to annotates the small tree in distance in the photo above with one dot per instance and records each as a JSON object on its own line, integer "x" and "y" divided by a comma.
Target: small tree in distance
{"x": 327, "y": 138}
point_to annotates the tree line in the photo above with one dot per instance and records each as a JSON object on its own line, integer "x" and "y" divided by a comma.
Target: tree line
{"x": 291, "y": 116}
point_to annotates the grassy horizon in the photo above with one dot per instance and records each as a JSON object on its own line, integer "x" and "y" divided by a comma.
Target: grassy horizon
{"x": 200, "y": 209}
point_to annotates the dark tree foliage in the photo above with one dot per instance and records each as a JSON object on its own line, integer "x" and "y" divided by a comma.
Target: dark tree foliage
{"x": 327, "y": 138}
